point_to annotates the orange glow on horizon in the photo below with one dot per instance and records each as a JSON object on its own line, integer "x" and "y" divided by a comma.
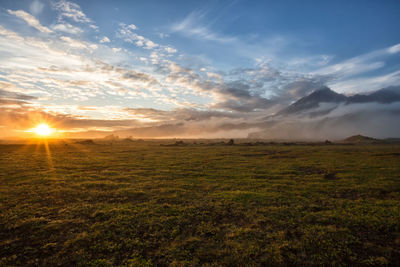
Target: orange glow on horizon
{"x": 43, "y": 130}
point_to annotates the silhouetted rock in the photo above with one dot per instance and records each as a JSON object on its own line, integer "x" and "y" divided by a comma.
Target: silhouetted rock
{"x": 330, "y": 176}
{"x": 179, "y": 143}
{"x": 86, "y": 142}
{"x": 111, "y": 137}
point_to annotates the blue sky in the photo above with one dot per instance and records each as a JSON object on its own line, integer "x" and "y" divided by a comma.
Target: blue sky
{"x": 122, "y": 60}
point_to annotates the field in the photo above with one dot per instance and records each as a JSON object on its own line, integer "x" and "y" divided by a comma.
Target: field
{"x": 146, "y": 204}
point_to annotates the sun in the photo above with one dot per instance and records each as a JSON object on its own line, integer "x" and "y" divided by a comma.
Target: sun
{"x": 43, "y": 130}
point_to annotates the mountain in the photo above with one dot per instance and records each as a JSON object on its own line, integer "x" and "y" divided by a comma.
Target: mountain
{"x": 313, "y": 100}
{"x": 386, "y": 95}
{"x": 326, "y": 95}
{"x": 360, "y": 139}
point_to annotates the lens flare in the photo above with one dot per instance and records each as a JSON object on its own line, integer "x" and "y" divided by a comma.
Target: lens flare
{"x": 43, "y": 130}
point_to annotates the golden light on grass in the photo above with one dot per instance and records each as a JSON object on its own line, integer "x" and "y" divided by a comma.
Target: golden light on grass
{"x": 43, "y": 130}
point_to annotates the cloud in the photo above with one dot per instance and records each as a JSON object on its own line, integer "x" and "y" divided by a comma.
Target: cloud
{"x": 366, "y": 84}
{"x": 344, "y": 75}
{"x": 8, "y": 97}
{"x": 20, "y": 115}
{"x": 132, "y": 75}
{"x": 13, "y": 36}
{"x": 213, "y": 75}
{"x": 240, "y": 92}
{"x": 150, "y": 44}
{"x": 78, "y": 44}
{"x": 301, "y": 87}
{"x": 351, "y": 67}
{"x": 371, "y": 119}
{"x": 192, "y": 26}
{"x": 64, "y": 68}
{"x": 189, "y": 123}
{"x": 394, "y": 49}
{"x": 170, "y": 50}
{"x": 36, "y": 7}
{"x": 131, "y": 27}
{"x": 105, "y": 40}
{"x": 73, "y": 12}
{"x": 180, "y": 115}
{"x": 66, "y": 27}
{"x": 126, "y": 33}
{"x": 31, "y": 20}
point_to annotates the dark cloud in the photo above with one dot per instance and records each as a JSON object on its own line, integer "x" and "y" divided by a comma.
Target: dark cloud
{"x": 139, "y": 77}
{"x": 245, "y": 105}
{"x": 11, "y": 102}
{"x": 181, "y": 114}
{"x": 16, "y": 96}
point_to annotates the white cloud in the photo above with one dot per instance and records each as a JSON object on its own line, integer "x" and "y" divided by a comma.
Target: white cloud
{"x": 150, "y": 44}
{"x": 394, "y": 49}
{"x": 170, "y": 50}
{"x": 73, "y": 12}
{"x": 78, "y": 44}
{"x": 46, "y": 68}
{"x": 10, "y": 34}
{"x": 125, "y": 33}
{"x": 66, "y": 27}
{"x": 366, "y": 84}
{"x": 105, "y": 39}
{"x": 31, "y": 20}
{"x": 132, "y": 27}
{"x": 73, "y": 43}
{"x": 213, "y": 75}
{"x": 362, "y": 63}
{"x": 351, "y": 67}
{"x": 343, "y": 73}
{"x": 192, "y": 26}
{"x": 94, "y": 27}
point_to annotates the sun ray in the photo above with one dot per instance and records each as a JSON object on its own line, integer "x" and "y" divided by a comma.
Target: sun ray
{"x": 48, "y": 154}
{"x": 43, "y": 130}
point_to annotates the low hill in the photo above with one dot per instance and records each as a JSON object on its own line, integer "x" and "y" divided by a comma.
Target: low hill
{"x": 360, "y": 139}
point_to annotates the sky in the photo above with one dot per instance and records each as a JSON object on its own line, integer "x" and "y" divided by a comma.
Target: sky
{"x": 162, "y": 69}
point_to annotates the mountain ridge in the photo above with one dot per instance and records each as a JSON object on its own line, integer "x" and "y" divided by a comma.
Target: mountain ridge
{"x": 385, "y": 95}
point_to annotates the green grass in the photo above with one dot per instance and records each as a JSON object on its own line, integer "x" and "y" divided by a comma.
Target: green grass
{"x": 142, "y": 204}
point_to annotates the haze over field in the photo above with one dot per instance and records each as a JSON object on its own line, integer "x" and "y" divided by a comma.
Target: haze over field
{"x": 159, "y": 69}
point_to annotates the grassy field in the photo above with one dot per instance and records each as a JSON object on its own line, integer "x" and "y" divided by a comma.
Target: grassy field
{"x": 143, "y": 204}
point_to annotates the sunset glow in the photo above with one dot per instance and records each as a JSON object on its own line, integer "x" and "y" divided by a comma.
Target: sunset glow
{"x": 203, "y": 69}
{"x": 43, "y": 130}
{"x": 199, "y": 133}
